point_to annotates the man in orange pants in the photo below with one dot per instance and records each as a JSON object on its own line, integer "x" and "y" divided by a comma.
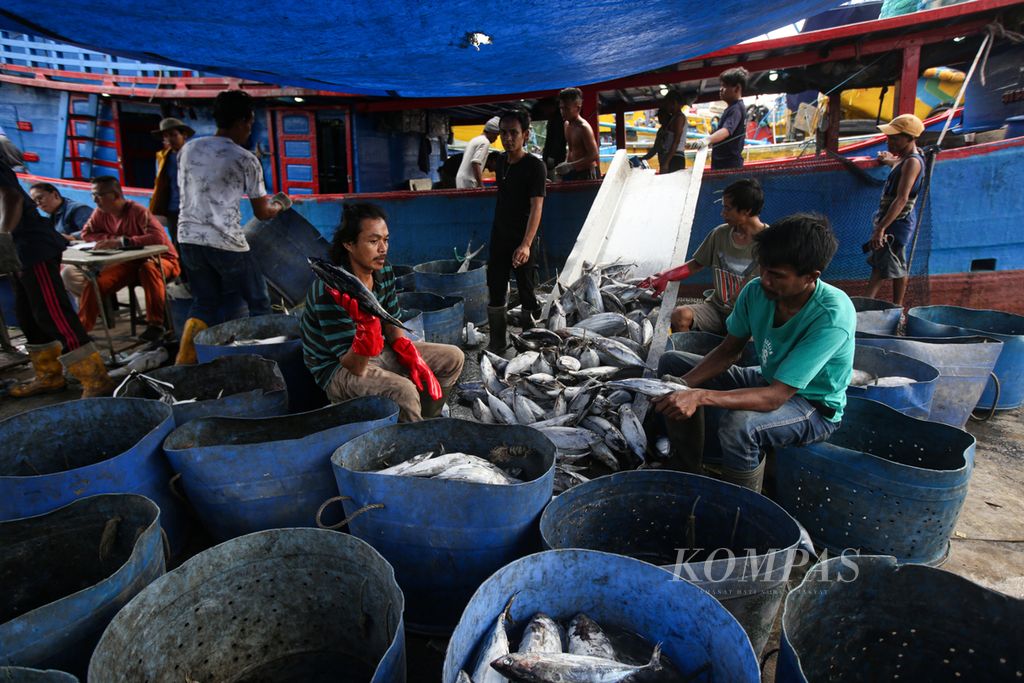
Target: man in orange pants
{"x": 120, "y": 223}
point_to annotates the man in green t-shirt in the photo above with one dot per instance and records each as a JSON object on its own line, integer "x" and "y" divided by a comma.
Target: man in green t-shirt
{"x": 729, "y": 252}
{"x": 803, "y": 332}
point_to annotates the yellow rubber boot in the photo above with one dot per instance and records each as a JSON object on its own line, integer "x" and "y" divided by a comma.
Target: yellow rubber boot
{"x": 187, "y": 348}
{"x": 85, "y": 365}
{"x": 49, "y": 372}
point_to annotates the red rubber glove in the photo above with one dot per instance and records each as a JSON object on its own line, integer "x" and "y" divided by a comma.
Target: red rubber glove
{"x": 369, "y": 340}
{"x": 419, "y": 372}
{"x": 659, "y": 281}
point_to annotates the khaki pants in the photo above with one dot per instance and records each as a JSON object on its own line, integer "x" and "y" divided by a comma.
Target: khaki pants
{"x": 385, "y": 376}
{"x": 74, "y": 280}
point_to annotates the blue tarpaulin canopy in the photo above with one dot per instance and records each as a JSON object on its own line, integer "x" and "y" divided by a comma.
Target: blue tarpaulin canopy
{"x": 409, "y": 48}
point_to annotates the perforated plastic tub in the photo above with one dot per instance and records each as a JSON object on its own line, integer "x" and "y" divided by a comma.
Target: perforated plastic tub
{"x": 883, "y": 483}
{"x": 867, "y": 619}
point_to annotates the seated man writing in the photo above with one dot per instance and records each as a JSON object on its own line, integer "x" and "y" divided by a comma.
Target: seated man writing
{"x": 803, "y": 332}
{"x": 118, "y": 223}
{"x": 344, "y": 347}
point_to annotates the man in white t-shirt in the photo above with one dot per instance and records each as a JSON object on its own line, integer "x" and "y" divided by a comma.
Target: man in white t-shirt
{"x": 214, "y": 173}
{"x": 471, "y": 169}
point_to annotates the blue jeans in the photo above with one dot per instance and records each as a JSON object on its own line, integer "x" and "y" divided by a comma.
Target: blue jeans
{"x": 745, "y": 434}
{"x": 216, "y": 276}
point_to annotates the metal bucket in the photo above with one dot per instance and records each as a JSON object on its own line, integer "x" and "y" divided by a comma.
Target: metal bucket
{"x": 443, "y": 537}
{"x": 913, "y": 399}
{"x": 700, "y": 637}
{"x": 279, "y": 605}
{"x": 280, "y": 247}
{"x": 954, "y": 321}
{"x": 868, "y": 618}
{"x": 703, "y": 343}
{"x": 882, "y": 483}
{"x": 66, "y": 573}
{"x": 405, "y": 278}
{"x": 741, "y": 550}
{"x": 17, "y": 674}
{"x": 876, "y": 316}
{"x": 229, "y": 386}
{"x": 303, "y": 391}
{"x": 91, "y": 446}
{"x": 442, "y": 315}
{"x": 244, "y": 475}
{"x": 443, "y": 278}
{"x": 964, "y": 364}
{"x": 413, "y": 319}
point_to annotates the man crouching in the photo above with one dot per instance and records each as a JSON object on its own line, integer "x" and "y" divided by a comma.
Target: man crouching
{"x": 803, "y": 331}
{"x": 345, "y": 348}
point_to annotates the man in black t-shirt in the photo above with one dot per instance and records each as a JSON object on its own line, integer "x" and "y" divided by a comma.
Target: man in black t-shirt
{"x": 30, "y": 249}
{"x": 521, "y": 181}
{"x": 727, "y": 142}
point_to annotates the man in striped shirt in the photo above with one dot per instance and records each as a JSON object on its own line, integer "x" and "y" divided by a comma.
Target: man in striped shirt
{"x": 344, "y": 347}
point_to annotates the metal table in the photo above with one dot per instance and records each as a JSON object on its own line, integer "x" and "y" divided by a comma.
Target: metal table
{"x": 91, "y": 264}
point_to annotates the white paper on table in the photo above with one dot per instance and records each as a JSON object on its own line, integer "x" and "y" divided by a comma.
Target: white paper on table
{"x": 82, "y": 246}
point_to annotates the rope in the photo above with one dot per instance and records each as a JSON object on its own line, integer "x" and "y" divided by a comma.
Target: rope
{"x": 327, "y": 503}
{"x": 983, "y": 50}
{"x": 926, "y": 184}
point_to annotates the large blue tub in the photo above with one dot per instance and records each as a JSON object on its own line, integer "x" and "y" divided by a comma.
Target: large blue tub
{"x": 244, "y": 475}
{"x": 869, "y": 619}
{"x": 443, "y": 278}
{"x": 954, "y": 321}
{"x": 215, "y": 342}
{"x": 694, "y": 630}
{"x": 95, "y": 445}
{"x": 883, "y": 483}
{"x": 66, "y": 573}
{"x": 443, "y": 537}
{"x": 913, "y": 399}
{"x": 964, "y": 365}
{"x": 229, "y": 386}
{"x": 280, "y": 247}
{"x": 876, "y": 316}
{"x": 741, "y": 550}
{"x": 442, "y": 315}
{"x": 280, "y": 605}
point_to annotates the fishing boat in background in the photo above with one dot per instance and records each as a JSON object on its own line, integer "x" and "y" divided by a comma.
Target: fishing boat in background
{"x": 78, "y": 114}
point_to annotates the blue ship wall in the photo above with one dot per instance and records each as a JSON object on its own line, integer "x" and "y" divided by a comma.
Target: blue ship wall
{"x": 46, "y": 111}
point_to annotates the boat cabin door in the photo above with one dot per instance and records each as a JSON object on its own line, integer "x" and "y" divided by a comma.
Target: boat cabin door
{"x": 312, "y": 151}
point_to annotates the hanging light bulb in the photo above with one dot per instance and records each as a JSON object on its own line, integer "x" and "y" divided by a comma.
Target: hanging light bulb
{"x": 773, "y": 76}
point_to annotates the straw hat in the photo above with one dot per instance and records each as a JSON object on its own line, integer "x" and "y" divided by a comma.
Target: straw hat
{"x": 172, "y": 124}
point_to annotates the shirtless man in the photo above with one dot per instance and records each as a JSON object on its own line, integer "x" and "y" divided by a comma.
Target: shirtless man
{"x": 581, "y": 161}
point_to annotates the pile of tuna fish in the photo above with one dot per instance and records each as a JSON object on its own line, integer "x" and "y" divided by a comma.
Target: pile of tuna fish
{"x": 579, "y": 380}
{"x": 454, "y": 466}
{"x": 547, "y": 653}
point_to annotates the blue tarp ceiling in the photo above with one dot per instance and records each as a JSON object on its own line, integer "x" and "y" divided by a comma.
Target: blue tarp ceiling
{"x": 409, "y": 48}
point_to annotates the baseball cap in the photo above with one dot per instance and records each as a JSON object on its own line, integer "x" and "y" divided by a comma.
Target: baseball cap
{"x": 904, "y": 123}
{"x": 492, "y": 125}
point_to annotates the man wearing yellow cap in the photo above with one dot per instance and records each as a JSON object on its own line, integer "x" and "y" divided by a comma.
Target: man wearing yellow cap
{"x": 895, "y": 219}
